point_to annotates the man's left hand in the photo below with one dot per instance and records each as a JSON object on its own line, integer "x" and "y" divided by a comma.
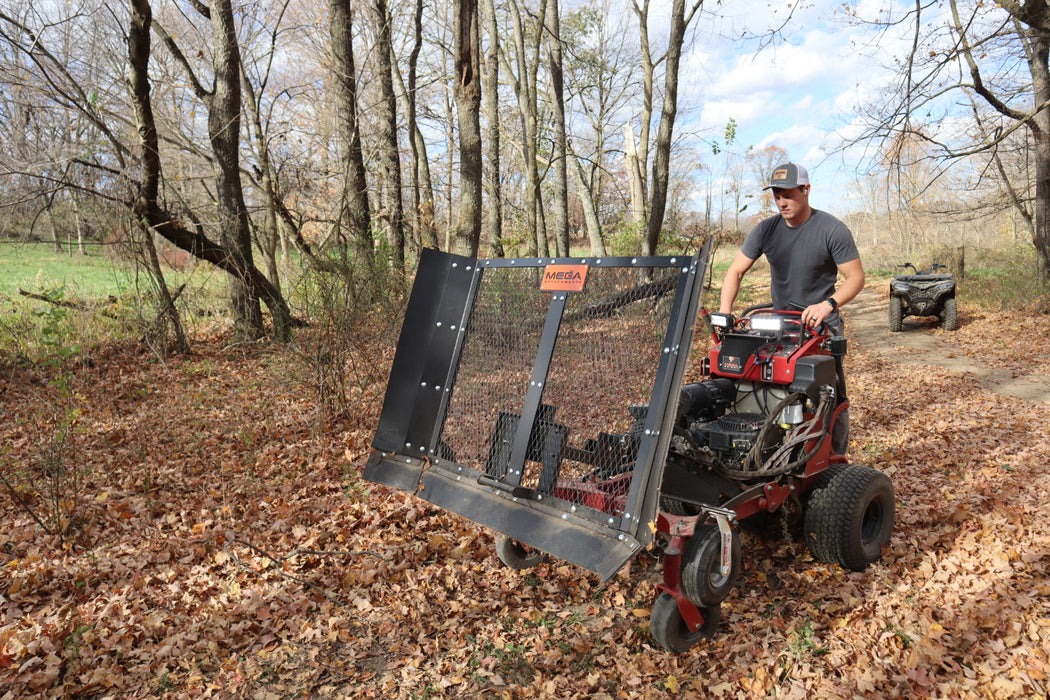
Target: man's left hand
{"x": 814, "y": 315}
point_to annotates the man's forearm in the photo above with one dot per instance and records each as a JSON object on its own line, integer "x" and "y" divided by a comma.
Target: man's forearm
{"x": 730, "y": 288}
{"x": 731, "y": 284}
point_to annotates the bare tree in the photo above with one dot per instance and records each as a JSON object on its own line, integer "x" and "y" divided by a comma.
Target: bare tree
{"x": 521, "y": 67}
{"x": 680, "y": 19}
{"x": 637, "y": 152}
{"x": 354, "y": 210}
{"x": 223, "y": 102}
{"x": 389, "y": 158}
{"x": 251, "y": 284}
{"x": 556, "y": 99}
{"x": 467, "y": 235}
{"x": 490, "y": 96}
{"x": 761, "y": 162}
{"x": 422, "y": 187}
{"x": 988, "y": 41}
{"x": 601, "y": 79}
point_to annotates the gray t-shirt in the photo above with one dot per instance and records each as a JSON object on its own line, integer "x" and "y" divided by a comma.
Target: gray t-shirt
{"x": 803, "y": 261}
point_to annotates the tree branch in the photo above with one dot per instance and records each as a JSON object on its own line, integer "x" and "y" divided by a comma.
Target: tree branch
{"x": 975, "y": 73}
{"x": 180, "y": 58}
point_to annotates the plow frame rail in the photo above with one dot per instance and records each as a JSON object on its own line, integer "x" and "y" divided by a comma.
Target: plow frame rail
{"x": 515, "y": 486}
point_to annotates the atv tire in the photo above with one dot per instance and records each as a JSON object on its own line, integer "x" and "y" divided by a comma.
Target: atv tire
{"x": 849, "y": 516}
{"x": 896, "y": 314}
{"x": 701, "y": 577}
{"x": 950, "y": 315}
{"x": 669, "y": 629}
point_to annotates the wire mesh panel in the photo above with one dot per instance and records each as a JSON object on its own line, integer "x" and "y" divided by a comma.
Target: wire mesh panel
{"x": 532, "y": 396}
{"x": 594, "y": 398}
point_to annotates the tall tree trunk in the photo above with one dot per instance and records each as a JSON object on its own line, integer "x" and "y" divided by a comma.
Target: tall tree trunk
{"x": 386, "y": 125}
{"x": 74, "y": 201}
{"x": 635, "y": 177}
{"x": 662, "y": 159}
{"x": 224, "y": 129}
{"x": 468, "y": 108}
{"x": 138, "y": 77}
{"x": 590, "y": 213}
{"x": 55, "y": 238}
{"x": 490, "y": 87}
{"x": 526, "y": 64}
{"x": 268, "y": 234}
{"x": 560, "y": 204}
{"x": 422, "y": 183}
{"x": 355, "y": 213}
{"x": 1039, "y": 64}
{"x": 642, "y": 147}
{"x": 145, "y": 205}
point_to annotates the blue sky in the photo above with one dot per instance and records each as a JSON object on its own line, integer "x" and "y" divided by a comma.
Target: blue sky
{"x": 798, "y": 92}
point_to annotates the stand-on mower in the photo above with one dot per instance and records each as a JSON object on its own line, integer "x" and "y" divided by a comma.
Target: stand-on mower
{"x": 544, "y": 398}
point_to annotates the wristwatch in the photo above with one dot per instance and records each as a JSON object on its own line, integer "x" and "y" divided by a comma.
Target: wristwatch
{"x": 834, "y": 304}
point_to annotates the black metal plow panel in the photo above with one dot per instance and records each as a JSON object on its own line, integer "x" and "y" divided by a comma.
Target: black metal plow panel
{"x": 544, "y": 415}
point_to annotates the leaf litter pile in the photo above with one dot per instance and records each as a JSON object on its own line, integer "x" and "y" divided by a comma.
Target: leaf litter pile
{"x": 193, "y": 528}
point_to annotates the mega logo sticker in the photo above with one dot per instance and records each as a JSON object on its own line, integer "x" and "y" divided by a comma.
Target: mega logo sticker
{"x": 564, "y": 278}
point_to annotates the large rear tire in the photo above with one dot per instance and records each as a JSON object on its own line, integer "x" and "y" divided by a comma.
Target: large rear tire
{"x": 950, "y": 315}
{"x": 849, "y": 516}
{"x": 669, "y": 629}
{"x": 896, "y": 314}
{"x": 702, "y": 580}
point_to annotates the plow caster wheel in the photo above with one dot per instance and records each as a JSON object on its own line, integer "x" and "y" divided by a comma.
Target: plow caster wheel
{"x": 669, "y": 629}
{"x": 849, "y": 516}
{"x": 515, "y": 555}
{"x": 676, "y": 507}
{"x": 702, "y": 581}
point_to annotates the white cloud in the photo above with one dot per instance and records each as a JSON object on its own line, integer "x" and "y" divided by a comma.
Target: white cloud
{"x": 748, "y": 109}
{"x": 800, "y": 91}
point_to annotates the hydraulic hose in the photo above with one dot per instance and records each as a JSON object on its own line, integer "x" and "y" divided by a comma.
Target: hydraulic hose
{"x": 777, "y": 464}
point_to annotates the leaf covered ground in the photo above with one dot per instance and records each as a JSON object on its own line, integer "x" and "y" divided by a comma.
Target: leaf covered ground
{"x": 222, "y": 544}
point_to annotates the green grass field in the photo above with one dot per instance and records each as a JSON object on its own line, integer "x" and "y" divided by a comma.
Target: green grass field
{"x": 38, "y": 268}
{"x": 996, "y": 277}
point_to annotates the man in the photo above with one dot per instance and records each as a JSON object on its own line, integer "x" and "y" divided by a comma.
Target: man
{"x": 807, "y": 249}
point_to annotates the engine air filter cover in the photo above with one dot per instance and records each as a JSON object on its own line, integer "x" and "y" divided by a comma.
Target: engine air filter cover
{"x": 735, "y": 431}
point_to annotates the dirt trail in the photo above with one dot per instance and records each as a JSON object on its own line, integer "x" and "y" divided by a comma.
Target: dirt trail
{"x": 921, "y": 342}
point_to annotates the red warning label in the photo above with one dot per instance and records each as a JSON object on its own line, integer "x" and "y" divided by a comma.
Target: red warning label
{"x": 564, "y": 278}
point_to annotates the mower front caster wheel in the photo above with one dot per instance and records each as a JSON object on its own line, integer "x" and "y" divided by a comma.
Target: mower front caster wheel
{"x": 849, "y": 516}
{"x": 703, "y": 582}
{"x": 515, "y": 555}
{"x": 669, "y": 629}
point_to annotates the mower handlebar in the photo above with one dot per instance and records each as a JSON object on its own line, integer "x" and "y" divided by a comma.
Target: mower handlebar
{"x": 756, "y": 307}
{"x": 792, "y": 315}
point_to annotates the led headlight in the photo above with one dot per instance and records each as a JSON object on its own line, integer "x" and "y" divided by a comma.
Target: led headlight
{"x": 767, "y": 324}
{"x": 721, "y": 320}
